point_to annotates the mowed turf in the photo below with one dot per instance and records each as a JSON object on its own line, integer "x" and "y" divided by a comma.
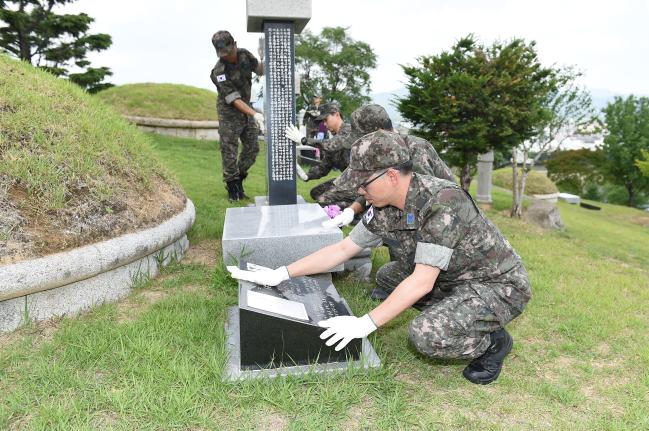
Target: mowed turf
{"x": 154, "y": 361}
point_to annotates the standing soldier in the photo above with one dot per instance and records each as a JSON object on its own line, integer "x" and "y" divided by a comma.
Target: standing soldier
{"x": 456, "y": 266}
{"x": 232, "y": 76}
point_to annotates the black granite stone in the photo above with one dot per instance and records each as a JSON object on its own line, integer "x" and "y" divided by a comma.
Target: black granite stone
{"x": 271, "y": 340}
{"x": 279, "y": 106}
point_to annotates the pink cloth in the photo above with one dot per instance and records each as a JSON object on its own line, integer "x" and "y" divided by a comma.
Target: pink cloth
{"x": 332, "y": 210}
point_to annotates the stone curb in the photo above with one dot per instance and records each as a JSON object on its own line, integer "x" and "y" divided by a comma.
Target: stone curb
{"x": 208, "y": 130}
{"x": 62, "y": 269}
{"x": 166, "y": 122}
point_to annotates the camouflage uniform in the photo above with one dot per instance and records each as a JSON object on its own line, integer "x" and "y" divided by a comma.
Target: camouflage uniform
{"x": 234, "y": 81}
{"x": 482, "y": 284}
{"x": 327, "y": 193}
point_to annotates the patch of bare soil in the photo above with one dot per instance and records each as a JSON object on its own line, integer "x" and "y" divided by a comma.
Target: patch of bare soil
{"x": 27, "y": 233}
{"x": 42, "y": 331}
{"x": 206, "y": 253}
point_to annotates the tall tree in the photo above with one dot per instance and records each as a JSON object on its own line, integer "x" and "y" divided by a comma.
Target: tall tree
{"x": 34, "y": 33}
{"x": 335, "y": 66}
{"x": 568, "y": 109}
{"x": 627, "y": 135}
{"x": 473, "y": 99}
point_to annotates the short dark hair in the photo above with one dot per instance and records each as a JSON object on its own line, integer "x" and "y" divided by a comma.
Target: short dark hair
{"x": 404, "y": 168}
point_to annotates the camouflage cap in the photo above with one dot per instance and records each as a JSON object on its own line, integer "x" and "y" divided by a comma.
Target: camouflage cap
{"x": 372, "y": 152}
{"x": 370, "y": 118}
{"x": 223, "y": 42}
{"x": 326, "y": 109}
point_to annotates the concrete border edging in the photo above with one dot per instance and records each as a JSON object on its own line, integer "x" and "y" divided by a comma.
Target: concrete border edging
{"x": 68, "y": 282}
{"x": 182, "y": 128}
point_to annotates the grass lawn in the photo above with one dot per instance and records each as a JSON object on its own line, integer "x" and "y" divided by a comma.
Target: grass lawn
{"x": 154, "y": 361}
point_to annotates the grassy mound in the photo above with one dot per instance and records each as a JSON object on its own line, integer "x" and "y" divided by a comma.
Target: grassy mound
{"x": 536, "y": 183}
{"x": 71, "y": 169}
{"x": 172, "y": 101}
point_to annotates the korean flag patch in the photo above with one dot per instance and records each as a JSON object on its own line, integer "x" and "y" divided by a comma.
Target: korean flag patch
{"x": 369, "y": 215}
{"x": 220, "y": 78}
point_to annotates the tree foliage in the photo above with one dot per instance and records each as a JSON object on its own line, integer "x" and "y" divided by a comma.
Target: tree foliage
{"x": 643, "y": 164}
{"x": 473, "y": 99}
{"x": 574, "y": 170}
{"x": 58, "y": 43}
{"x": 627, "y": 124}
{"x": 335, "y": 66}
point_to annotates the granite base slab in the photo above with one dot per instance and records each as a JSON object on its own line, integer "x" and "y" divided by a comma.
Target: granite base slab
{"x": 233, "y": 372}
{"x": 276, "y": 235}
{"x": 263, "y": 200}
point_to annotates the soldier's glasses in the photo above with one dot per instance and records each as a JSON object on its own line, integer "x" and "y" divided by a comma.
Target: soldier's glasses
{"x": 364, "y": 184}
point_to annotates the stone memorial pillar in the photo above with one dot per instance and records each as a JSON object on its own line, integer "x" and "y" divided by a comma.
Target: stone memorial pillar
{"x": 485, "y": 168}
{"x": 279, "y": 20}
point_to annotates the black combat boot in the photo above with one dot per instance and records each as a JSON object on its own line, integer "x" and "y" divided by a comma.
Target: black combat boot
{"x": 233, "y": 190}
{"x": 486, "y": 368}
{"x": 242, "y": 194}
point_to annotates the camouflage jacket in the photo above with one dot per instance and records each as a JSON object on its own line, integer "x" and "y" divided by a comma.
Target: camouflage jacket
{"x": 441, "y": 226}
{"x": 425, "y": 159}
{"x": 234, "y": 81}
{"x": 342, "y": 140}
{"x": 332, "y": 159}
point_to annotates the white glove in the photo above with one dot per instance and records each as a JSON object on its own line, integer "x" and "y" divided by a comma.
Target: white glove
{"x": 294, "y": 134}
{"x": 259, "y": 118}
{"x": 300, "y": 173}
{"x": 260, "y": 275}
{"x": 342, "y": 219}
{"x": 346, "y": 328}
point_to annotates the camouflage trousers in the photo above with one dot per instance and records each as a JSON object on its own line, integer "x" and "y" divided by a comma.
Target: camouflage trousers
{"x": 328, "y": 194}
{"x": 457, "y": 320}
{"x": 231, "y": 129}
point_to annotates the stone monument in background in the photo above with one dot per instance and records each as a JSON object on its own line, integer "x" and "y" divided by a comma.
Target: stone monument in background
{"x": 485, "y": 170}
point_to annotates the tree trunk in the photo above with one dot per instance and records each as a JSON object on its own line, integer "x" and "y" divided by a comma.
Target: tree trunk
{"x": 631, "y": 192}
{"x": 465, "y": 177}
{"x": 515, "y": 192}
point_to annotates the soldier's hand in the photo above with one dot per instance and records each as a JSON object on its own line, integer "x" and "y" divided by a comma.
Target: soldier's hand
{"x": 259, "y": 118}
{"x": 260, "y": 275}
{"x": 345, "y": 329}
{"x": 342, "y": 219}
{"x": 300, "y": 173}
{"x": 294, "y": 134}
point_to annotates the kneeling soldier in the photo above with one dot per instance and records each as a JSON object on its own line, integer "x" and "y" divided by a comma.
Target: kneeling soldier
{"x": 456, "y": 266}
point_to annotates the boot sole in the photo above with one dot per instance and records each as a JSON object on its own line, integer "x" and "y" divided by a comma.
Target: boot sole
{"x": 487, "y": 381}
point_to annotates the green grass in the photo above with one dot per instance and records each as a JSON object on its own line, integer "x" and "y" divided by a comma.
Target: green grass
{"x": 58, "y": 143}
{"x": 579, "y": 362}
{"x": 535, "y": 184}
{"x": 173, "y": 101}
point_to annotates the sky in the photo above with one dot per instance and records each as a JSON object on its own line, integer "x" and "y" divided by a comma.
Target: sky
{"x": 170, "y": 40}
